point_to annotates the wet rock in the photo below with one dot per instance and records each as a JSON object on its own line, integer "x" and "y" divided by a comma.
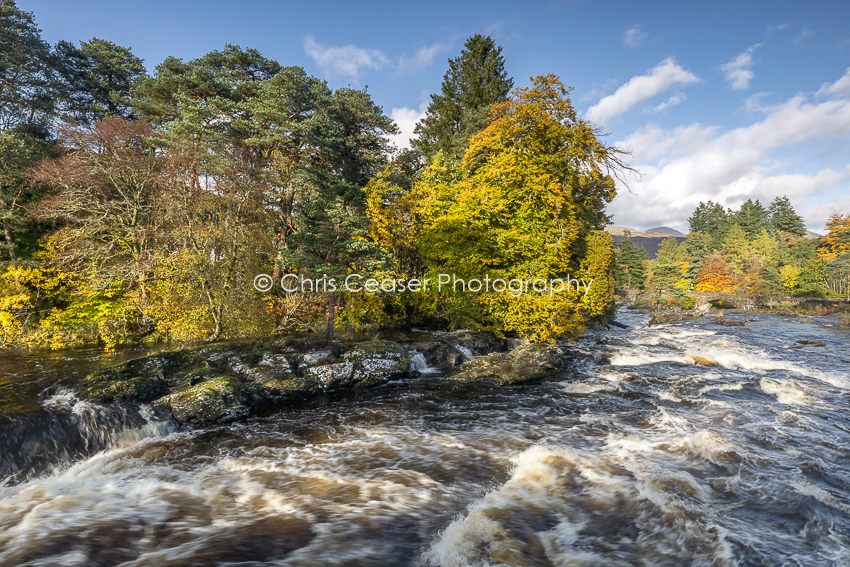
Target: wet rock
{"x": 703, "y": 361}
{"x": 527, "y": 363}
{"x": 672, "y": 316}
{"x": 219, "y": 400}
{"x": 333, "y": 376}
{"x": 811, "y": 343}
{"x": 729, "y": 323}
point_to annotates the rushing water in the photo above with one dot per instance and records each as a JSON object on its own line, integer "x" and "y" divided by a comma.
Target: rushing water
{"x": 632, "y": 456}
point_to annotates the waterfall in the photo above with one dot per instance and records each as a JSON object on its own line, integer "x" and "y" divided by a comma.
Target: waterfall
{"x": 419, "y": 363}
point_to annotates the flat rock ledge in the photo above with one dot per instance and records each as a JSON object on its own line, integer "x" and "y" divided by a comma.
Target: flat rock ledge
{"x": 227, "y": 382}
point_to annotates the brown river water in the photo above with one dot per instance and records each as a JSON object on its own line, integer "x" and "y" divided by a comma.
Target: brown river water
{"x": 633, "y": 455}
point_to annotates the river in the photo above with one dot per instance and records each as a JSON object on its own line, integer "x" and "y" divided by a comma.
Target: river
{"x": 633, "y": 455}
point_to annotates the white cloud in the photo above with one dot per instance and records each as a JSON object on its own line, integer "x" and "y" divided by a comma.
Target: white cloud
{"x": 738, "y": 71}
{"x": 804, "y": 35}
{"x": 841, "y": 87}
{"x": 406, "y": 119}
{"x": 634, "y": 36}
{"x": 677, "y": 98}
{"x": 495, "y": 27}
{"x": 681, "y": 167}
{"x": 660, "y": 78}
{"x": 346, "y": 61}
{"x": 423, "y": 58}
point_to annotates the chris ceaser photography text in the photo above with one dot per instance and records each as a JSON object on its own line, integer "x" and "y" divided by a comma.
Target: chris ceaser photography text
{"x": 354, "y": 283}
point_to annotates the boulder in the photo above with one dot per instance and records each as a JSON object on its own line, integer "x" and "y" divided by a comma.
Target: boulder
{"x": 527, "y": 363}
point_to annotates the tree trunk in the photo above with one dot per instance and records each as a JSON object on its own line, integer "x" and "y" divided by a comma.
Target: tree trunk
{"x": 10, "y": 241}
{"x": 331, "y": 313}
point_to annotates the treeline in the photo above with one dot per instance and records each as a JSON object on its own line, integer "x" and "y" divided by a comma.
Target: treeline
{"x": 142, "y": 205}
{"x": 754, "y": 250}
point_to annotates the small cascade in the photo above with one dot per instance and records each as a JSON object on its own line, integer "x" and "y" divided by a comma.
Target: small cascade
{"x": 467, "y": 354}
{"x": 516, "y": 343}
{"x": 67, "y": 429}
{"x": 420, "y": 364}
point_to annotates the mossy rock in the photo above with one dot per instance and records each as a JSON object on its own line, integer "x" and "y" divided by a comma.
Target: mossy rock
{"x": 528, "y": 363}
{"x": 219, "y": 400}
{"x": 137, "y": 389}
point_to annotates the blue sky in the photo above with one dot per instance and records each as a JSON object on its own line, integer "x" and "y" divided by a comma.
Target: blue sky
{"x": 716, "y": 100}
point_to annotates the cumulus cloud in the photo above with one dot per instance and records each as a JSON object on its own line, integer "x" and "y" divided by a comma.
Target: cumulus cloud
{"x": 634, "y": 36}
{"x": 495, "y": 27}
{"x": 346, "y": 61}
{"x": 739, "y": 71}
{"x": 677, "y": 98}
{"x": 660, "y": 78}
{"x": 423, "y": 58}
{"x": 841, "y": 87}
{"x": 682, "y": 166}
{"x": 406, "y": 120}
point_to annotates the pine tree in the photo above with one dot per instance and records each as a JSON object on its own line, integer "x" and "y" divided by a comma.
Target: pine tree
{"x": 696, "y": 252}
{"x": 475, "y": 81}
{"x": 752, "y": 217}
{"x": 712, "y": 221}
{"x": 96, "y": 79}
{"x": 629, "y": 261}
{"x": 783, "y": 217}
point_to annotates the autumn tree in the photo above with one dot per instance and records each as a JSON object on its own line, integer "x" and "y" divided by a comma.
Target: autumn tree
{"x": 530, "y": 191}
{"x": 713, "y": 275}
{"x": 837, "y": 239}
{"x": 475, "y": 81}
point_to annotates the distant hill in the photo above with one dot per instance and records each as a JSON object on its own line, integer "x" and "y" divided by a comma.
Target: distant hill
{"x": 648, "y": 240}
{"x": 665, "y": 230}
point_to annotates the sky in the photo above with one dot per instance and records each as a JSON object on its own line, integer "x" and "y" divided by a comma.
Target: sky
{"x": 715, "y": 100}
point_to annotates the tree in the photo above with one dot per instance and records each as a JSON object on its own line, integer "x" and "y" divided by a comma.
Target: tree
{"x": 713, "y": 276}
{"x": 26, "y": 106}
{"x": 630, "y": 260}
{"x": 96, "y": 79}
{"x": 670, "y": 252}
{"x": 783, "y": 218}
{"x": 475, "y": 81}
{"x": 530, "y": 191}
{"x": 752, "y": 217}
{"x": 711, "y": 220}
{"x": 26, "y": 73}
{"x": 696, "y": 253}
{"x": 837, "y": 239}
{"x": 736, "y": 248}
{"x": 330, "y": 239}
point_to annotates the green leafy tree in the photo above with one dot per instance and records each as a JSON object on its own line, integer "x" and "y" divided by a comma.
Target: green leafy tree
{"x": 783, "y": 217}
{"x": 475, "y": 81}
{"x": 96, "y": 79}
{"x": 670, "y": 252}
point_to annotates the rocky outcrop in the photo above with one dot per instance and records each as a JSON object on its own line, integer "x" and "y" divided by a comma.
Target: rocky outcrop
{"x": 227, "y": 382}
{"x": 527, "y": 363}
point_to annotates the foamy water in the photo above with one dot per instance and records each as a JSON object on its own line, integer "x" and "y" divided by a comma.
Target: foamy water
{"x": 688, "y": 444}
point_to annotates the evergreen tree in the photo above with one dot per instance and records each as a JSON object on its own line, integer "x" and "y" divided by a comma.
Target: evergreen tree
{"x": 696, "y": 254}
{"x": 752, "y": 217}
{"x": 475, "y": 81}
{"x": 331, "y": 239}
{"x": 27, "y": 92}
{"x": 783, "y": 217}
{"x": 711, "y": 220}
{"x": 629, "y": 260}
{"x": 96, "y": 79}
